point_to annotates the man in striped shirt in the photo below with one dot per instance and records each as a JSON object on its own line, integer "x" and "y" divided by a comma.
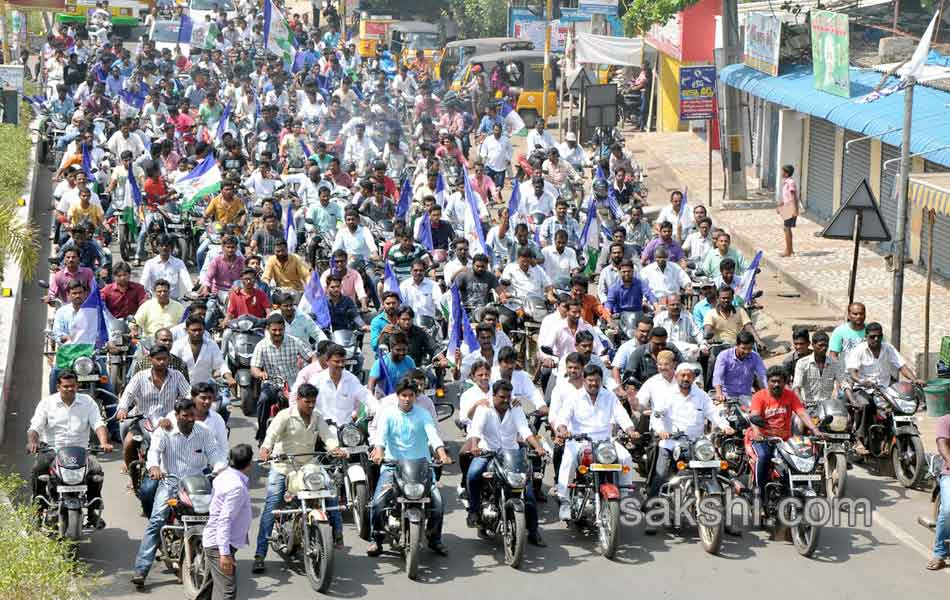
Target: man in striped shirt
{"x": 188, "y": 449}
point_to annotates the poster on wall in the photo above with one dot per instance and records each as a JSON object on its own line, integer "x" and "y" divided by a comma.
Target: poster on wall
{"x": 829, "y": 52}
{"x": 763, "y": 39}
{"x": 697, "y": 93}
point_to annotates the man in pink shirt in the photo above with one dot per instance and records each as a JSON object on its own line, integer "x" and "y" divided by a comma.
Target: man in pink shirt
{"x": 564, "y": 339}
{"x": 309, "y": 373}
{"x": 788, "y": 207}
{"x": 352, "y": 282}
{"x": 483, "y": 185}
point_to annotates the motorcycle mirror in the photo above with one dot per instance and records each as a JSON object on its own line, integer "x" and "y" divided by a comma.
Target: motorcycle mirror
{"x": 757, "y": 420}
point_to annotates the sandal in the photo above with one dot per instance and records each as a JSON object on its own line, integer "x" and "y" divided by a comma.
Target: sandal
{"x": 935, "y": 564}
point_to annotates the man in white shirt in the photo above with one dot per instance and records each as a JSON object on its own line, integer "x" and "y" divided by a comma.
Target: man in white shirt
{"x": 680, "y": 325}
{"x": 660, "y": 385}
{"x": 457, "y": 265}
{"x": 564, "y": 390}
{"x": 528, "y": 281}
{"x": 496, "y": 153}
{"x": 560, "y": 261}
{"x": 65, "y": 419}
{"x": 686, "y": 409}
{"x": 550, "y": 325}
{"x": 495, "y": 429}
{"x": 355, "y": 239}
{"x": 123, "y": 140}
{"x": 573, "y": 153}
{"x": 420, "y": 292}
{"x": 537, "y": 201}
{"x": 170, "y": 268}
{"x": 524, "y": 393}
{"x": 339, "y": 393}
{"x": 540, "y": 137}
{"x": 203, "y": 393}
{"x": 360, "y": 149}
{"x": 679, "y": 214}
{"x": 662, "y": 277}
{"x": 699, "y": 241}
{"x": 201, "y": 355}
{"x": 592, "y": 412}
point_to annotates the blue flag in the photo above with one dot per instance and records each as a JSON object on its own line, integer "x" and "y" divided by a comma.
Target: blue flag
{"x": 384, "y": 381}
{"x": 134, "y": 100}
{"x": 600, "y": 173}
{"x": 223, "y": 121}
{"x": 747, "y": 281}
{"x": 87, "y": 163}
{"x": 390, "y": 283}
{"x": 440, "y": 190}
{"x": 134, "y": 188}
{"x": 317, "y": 300}
{"x": 460, "y": 328}
{"x": 405, "y": 199}
{"x": 290, "y": 230}
{"x": 185, "y": 28}
{"x": 425, "y": 232}
{"x": 474, "y": 224}
{"x": 514, "y": 201}
{"x": 591, "y": 216}
{"x": 306, "y": 149}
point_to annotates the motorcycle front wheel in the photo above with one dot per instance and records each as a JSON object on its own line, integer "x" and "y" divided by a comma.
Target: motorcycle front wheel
{"x": 711, "y": 533}
{"x": 608, "y": 527}
{"x": 248, "y": 401}
{"x": 71, "y": 525}
{"x": 194, "y": 570}
{"x": 318, "y": 556}
{"x": 413, "y": 550}
{"x": 514, "y": 536}
{"x": 836, "y": 475}
{"x": 908, "y": 458}
{"x": 361, "y": 509}
{"x": 805, "y": 538}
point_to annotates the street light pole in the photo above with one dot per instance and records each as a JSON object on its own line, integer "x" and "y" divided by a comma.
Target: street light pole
{"x": 547, "y": 61}
{"x": 898, "y": 287}
{"x": 732, "y": 152}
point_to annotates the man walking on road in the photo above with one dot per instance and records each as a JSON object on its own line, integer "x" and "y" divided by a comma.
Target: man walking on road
{"x": 229, "y": 520}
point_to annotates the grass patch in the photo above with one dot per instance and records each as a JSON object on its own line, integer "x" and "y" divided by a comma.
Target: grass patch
{"x": 15, "y": 158}
{"x": 19, "y": 239}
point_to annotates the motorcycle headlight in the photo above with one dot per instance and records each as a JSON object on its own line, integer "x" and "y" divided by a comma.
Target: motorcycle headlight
{"x": 115, "y": 339}
{"x": 351, "y": 436}
{"x": 245, "y": 325}
{"x": 838, "y": 424}
{"x": 802, "y": 464}
{"x": 72, "y": 476}
{"x": 605, "y": 454}
{"x": 414, "y": 491}
{"x": 315, "y": 478}
{"x": 703, "y": 450}
{"x": 83, "y": 366}
{"x": 517, "y": 480}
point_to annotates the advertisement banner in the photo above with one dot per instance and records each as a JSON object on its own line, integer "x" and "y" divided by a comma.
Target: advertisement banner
{"x": 668, "y": 38}
{"x": 697, "y": 93}
{"x": 763, "y": 39}
{"x": 829, "y": 51}
{"x": 11, "y": 77}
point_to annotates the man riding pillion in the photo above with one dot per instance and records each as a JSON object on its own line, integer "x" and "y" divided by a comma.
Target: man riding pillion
{"x": 593, "y": 412}
{"x": 406, "y": 434}
{"x": 295, "y": 430}
{"x": 493, "y": 429}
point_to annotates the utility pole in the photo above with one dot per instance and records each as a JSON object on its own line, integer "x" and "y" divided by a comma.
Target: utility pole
{"x": 732, "y": 152}
{"x": 547, "y": 61}
{"x": 898, "y": 288}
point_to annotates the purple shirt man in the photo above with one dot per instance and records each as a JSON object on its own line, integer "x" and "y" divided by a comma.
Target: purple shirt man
{"x": 59, "y": 281}
{"x": 736, "y": 375}
{"x": 229, "y": 520}
{"x": 675, "y": 250}
{"x": 222, "y": 274}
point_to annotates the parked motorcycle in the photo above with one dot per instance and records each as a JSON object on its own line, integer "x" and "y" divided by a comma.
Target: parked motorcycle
{"x": 404, "y": 519}
{"x": 594, "y": 496}
{"x": 301, "y": 523}
{"x": 503, "y": 502}
{"x": 893, "y": 432}
{"x": 62, "y": 508}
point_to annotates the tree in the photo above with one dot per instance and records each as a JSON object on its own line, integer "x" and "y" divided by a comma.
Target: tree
{"x": 480, "y": 18}
{"x": 34, "y": 565}
{"x": 641, "y": 15}
{"x": 18, "y": 241}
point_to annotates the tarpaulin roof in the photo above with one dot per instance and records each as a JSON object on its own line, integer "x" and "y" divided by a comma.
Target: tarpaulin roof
{"x": 795, "y": 89}
{"x": 608, "y": 50}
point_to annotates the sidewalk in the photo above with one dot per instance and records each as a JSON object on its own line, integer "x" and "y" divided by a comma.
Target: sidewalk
{"x": 820, "y": 268}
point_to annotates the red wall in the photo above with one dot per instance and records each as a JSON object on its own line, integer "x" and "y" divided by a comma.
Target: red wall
{"x": 699, "y": 31}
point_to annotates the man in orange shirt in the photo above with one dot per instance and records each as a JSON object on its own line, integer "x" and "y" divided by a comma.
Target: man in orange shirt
{"x": 247, "y": 299}
{"x": 591, "y": 307}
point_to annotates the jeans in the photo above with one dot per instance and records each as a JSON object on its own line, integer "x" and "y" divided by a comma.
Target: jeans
{"x": 276, "y": 486}
{"x": 65, "y": 139}
{"x": 763, "y": 466}
{"x": 497, "y": 177}
{"x": 147, "y": 491}
{"x": 202, "y": 252}
{"x": 151, "y": 537}
{"x": 143, "y": 234}
{"x": 224, "y": 587}
{"x": 474, "y": 485}
{"x": 384, "y": 495}
{"x": 267, "y": 398}
{"x": 943, "y": 520}
{"x": 661, "y": 471}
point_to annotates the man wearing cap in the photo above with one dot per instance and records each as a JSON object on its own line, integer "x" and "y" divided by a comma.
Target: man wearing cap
{"x": 573, "y": 153}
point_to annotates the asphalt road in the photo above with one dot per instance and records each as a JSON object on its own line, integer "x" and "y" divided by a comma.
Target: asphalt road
{"x": 884, "y": 560}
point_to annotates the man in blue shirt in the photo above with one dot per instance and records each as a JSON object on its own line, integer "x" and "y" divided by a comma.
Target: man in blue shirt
{"x": 736, "y": 370}
{"x": 396, "y": 361}
{"x": 384, "y": 320}
{"x": 627, "y": 294}
{"x": 406, "y": 433}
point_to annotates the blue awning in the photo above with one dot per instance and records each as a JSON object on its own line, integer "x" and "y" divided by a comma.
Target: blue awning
{"x": 795, "y": 89}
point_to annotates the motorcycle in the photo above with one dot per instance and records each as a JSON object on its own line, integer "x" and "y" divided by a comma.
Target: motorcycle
{"x": 353, "y": 483}
{"x": 697, "y": 475}
{"x": 836, "y": 444}
{"x": 796, "y": 473}
{"x": 503, "y": 504}
{"x": 302, "y": 521}
{"x": 893, "y": 432}
{"x": 238, "y": 343}
{"x": 405, "y": 518}
{"x": 594, "y": 497}
{"x": 142, "y": 429}
{"x": 181, "y": 544}
{"x": 65, "y": 498}
{"x": 352, "y": 342}
{"x": 732, "y": 447}
{"x": 120, "y": 341}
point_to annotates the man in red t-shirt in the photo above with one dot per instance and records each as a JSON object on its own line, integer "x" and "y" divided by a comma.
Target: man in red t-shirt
{"x": 776, "y": 404}
{"x": 247, "y": 299}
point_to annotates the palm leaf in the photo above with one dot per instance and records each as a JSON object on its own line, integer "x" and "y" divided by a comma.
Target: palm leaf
{"x": 18, "y": 241}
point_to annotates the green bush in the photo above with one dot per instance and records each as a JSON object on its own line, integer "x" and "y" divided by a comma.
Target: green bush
{"x": 19, "y": 240}
{"x": 33, "y": 565}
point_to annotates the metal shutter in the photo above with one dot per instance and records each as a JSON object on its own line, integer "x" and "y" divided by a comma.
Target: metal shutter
{"x": 941, "y": 232}
{"x": 821, "y": 165}
{"x": 888, "y": 200}
{"x": 856, "y": 165}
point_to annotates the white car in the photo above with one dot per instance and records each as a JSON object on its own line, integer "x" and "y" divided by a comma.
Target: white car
{"x": 165, "y": 35}
{"x": 198, "y": 9}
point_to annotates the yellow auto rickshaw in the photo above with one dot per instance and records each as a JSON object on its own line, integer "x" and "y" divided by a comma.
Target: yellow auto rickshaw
{"x": 456, "y": 53}
{"x": 373, "y": 29}
{"x": 405, "y": 38}
{"x": 527, "y": 89}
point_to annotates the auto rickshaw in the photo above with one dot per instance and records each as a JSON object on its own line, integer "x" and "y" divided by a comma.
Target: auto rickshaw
{"x": 528, "y": 90}
{"x": 456, "y": 53}
{"x": 406, "y": 37}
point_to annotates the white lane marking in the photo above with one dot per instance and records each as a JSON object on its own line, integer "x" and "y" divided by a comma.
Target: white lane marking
{"x": 904, "y": 537}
